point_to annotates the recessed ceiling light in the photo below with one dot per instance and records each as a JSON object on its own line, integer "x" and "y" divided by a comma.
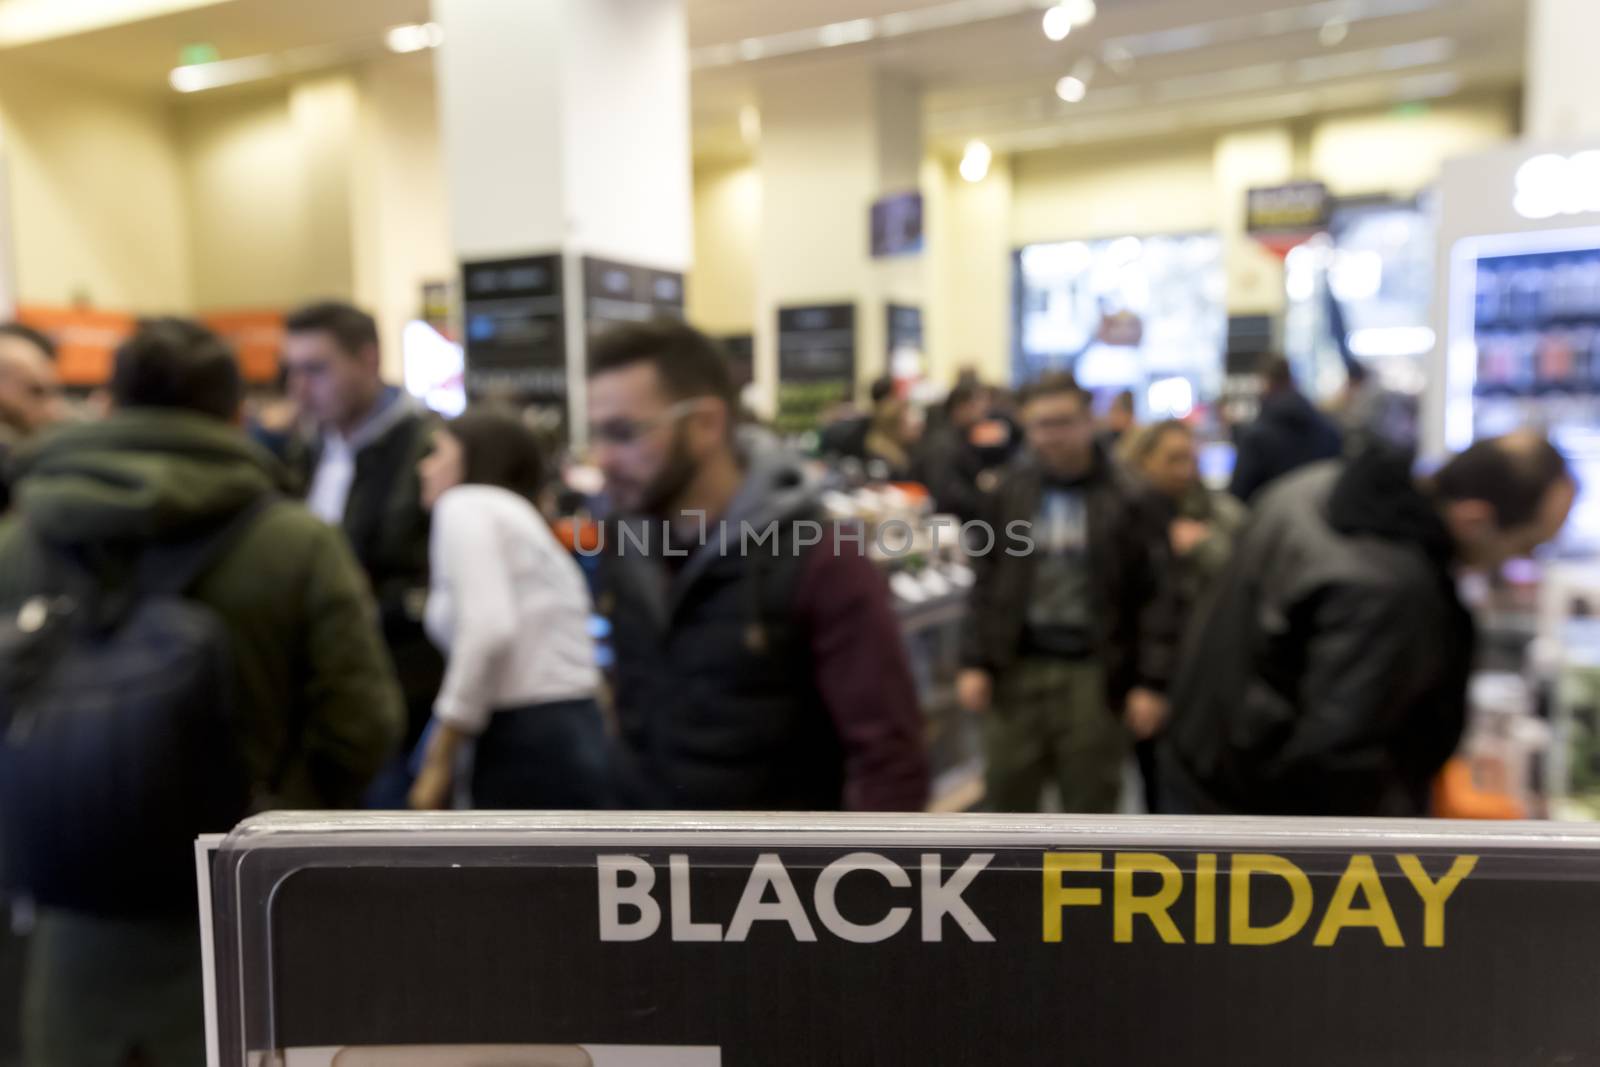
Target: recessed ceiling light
{"x": 414, "y": 37}
{"x": 1057, "y": 23}
{"x": 1334, "y": 32}
{"x": 1082, "y": 12}
{"x": 1071, "y": 89}
{"x": 975, "y": 161}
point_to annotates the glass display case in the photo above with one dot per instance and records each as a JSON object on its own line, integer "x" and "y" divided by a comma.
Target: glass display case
{"x": 1141, "y": 313}
{"x": 1363, "y": 291}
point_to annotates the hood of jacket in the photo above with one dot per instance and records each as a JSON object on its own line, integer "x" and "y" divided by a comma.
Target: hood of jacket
{"x": 1376, "y": 496}
{"x": 775, "y": 487}
{"x": 149, "y": 475}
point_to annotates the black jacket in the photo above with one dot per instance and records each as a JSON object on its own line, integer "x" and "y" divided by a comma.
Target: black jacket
{"x": 1288, "y": 434}
{"x": 387, "y": 530}
{"x": 949, "y": 466}
{"x": 733, "y": 692}
{"x": 1328, "y": 675}
{"x": 1125, "y": 547}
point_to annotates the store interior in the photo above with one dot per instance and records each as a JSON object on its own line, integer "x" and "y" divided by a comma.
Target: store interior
{"x": 1151, "y": 193}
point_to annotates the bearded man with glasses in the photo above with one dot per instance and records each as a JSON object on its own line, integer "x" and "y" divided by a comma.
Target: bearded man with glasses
{"x": 759, "y": 662}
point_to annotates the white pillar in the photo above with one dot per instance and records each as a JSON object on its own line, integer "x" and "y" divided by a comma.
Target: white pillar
{"x": 1562, "y": 96}
{"x": 566, "y": 129}
{"x": 835, "y": 137}
{"x": 1243, "y": 161}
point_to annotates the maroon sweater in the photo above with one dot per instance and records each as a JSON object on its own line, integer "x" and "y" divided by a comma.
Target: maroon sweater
{"x": 865, "y": 679}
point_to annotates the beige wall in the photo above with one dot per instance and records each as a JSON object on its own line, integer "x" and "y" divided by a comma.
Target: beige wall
{"x": 721, "y": 286}
{"x": 241, "y": 167}
{"x": 969, "y": 314}
{"x": 1391, "y": 153}
{"x": 96, "y": 195}
{"x": 331, "y": 187}
{"x": 269, "y": 186}
{"x": 401, "y": 222}
{"x": 1072, "y": 194}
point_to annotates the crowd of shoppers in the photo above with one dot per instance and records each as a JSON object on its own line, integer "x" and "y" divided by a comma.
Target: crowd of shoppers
{"x": 1288, "y": 434}
{"x": 375, "y": 611}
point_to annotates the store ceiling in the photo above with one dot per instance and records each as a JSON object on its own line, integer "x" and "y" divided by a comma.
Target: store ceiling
{"x": 1156, "y": 66}
{"x": 137, "y": 55}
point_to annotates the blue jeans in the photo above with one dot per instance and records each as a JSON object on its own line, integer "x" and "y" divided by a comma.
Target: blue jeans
{"x": 549, "y": 757}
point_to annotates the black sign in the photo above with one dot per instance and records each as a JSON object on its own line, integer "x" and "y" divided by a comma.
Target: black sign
{"x": 1302, "y": 207}
{"x": 515, "y": 328}
{"x": 615, "y": 293}
{"x": 816, "y": 363}
{"x": 741, "y": 352}
{"x": 911, "y": 941}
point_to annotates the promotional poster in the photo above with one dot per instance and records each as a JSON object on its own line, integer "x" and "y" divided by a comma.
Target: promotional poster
{"x": 832, "y": 940}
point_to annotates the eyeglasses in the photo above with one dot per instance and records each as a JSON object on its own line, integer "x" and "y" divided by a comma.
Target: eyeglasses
{"x": 1056, "y": 423}
{"x": 624, "y": 433}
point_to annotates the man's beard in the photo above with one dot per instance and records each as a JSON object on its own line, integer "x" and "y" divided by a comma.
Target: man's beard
{"x": 667, "y": 487}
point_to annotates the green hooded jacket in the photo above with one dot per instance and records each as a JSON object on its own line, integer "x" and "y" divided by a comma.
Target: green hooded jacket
{"x": 317, "y": 696}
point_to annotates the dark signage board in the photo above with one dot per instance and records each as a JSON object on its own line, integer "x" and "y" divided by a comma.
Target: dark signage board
{"x": 741, "y": 352}
{"x": 1300, "y": 207}
{"x": 615, "y": 293}
{"x": 665, "y": 941}
{"x": 816, "y": 363}
{"x": 515, "y": 328}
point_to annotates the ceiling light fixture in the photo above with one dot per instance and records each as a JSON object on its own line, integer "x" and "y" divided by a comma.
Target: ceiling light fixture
{"x": 1057, "y": 22}
{"x": 857, "y": 31}
{"x": 1082, "y": 12}
{"x": 975, "y": 161}
{"x": 197, "y": 77}
{"x": 1334, "y": 32}
{"x": 1071, "y": 90}
{"x": 414, "y": 37}
{"x": 750, "y": 124}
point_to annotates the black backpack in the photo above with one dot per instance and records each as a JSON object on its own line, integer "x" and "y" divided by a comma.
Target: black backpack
{"x": 118, "y": 739}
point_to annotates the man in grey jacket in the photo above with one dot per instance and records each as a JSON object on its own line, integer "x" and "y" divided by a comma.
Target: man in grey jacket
{"x": 1328, "y": 676}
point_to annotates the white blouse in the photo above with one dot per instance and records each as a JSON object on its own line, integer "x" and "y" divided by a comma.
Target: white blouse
{"x": 508, "y": 606}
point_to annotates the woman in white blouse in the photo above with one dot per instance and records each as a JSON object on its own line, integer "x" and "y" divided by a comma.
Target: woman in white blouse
{"x": 509, "y": 607}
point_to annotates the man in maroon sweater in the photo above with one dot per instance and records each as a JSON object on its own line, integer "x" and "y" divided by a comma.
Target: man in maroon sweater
{"x": 759, "y": 663}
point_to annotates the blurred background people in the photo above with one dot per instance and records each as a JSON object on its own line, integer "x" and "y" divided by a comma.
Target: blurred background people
{"x": 167, "y": 488}
{"x": 1371, "y": 415}
{"x": 891, "y": 440}
{"x": 1121, "y": 418}
{"x": 1199, "y": 526}
{"x": 949, "y": 464}
{"x": 1051, "y": 651}
{"x": 1329, "y": 674}
{"x": 846, "y": 438}
{"x": 1288, "y": 433}
{"x": 30, "y": 395}
{"x": 510, "y": 608}
{"x": 771, "y": 677}
{"x": 359, "y": 469}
